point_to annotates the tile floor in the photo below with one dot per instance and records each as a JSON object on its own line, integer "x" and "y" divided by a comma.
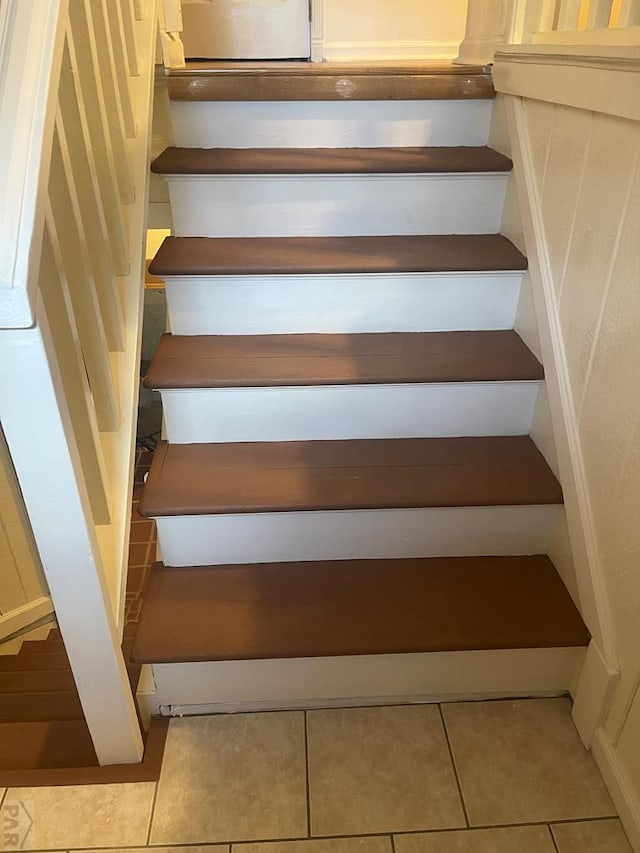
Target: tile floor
{"x": 487, "y": 777}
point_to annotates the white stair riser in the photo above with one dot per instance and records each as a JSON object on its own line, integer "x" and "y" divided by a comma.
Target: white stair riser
{"x": 349, "y": 411}
{"x": 356, "y": 534}
{"x": 228, "y": 686}
{"x": 347, "y": 304}
{"x": 336, "y": 205}
{"x": 329, "y": 124}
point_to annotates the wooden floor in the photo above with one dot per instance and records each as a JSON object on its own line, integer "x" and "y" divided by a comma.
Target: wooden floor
{"x": 301, "y": 476}
{"x": 355, "y": 607}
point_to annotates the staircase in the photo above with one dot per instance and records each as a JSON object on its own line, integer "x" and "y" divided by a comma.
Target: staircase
{"x": 349, "y": 504}
{"x": 44, "y": 738}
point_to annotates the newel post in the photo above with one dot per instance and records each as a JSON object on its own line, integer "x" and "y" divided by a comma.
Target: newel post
{"x": 492, "y": 23}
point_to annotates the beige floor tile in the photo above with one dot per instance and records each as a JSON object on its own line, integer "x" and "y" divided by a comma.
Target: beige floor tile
{"x": 83, "y": 815}
{"x": 592, "y": 836}
{"x": 232, "y": 778}
{"x": 522, "y": 762}
{"x": 371, "y": 844}
{"x": 380, "y": 770}
{"x": 517, "y": 839}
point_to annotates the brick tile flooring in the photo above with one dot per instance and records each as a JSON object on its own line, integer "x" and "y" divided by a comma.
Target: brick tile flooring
{"x": 142, "y": 550}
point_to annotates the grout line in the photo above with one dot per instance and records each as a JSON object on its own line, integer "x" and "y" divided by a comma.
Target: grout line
{"x": 453, "y": 765}
{"x": 153, "y": 806}
{"x": 419, "y": 703}
{"x": 393, "y": 842}
{"x": 307, "y": 780}
{"x": 379, "y": 834}
{"x": 553, "y": 839}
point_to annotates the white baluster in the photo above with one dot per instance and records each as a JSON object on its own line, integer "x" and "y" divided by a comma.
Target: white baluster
{"x": 72, "y": 134}
{"x": 91, "y": 105}
{"x": 569, "y": 14}
{"x": 57, "y": 303}
{"x": 599, "y": 14}
{"x": 76, "y": 264}
{"x": 629, "y": 13}
{"x": 127, "y": 17}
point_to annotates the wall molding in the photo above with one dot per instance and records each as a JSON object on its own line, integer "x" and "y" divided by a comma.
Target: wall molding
{"x": 24, "y": 616}
{"x": 604, "y": 36}
{"x": 345, "y": 51}
{"x": 317, "y": 30}
{"x": 599, "y": 78}
{"x": 594, "y": 688}
{"x": 610, "y": 58}
{"x": 619, "y": 785}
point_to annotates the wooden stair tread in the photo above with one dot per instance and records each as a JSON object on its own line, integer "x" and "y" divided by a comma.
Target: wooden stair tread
{"x": 60, "y": 752}
{"x": 303, "y": 68}
{"x": 192, "y": 256}
{"x": 50, "y": 645}
{"x": 224, "y": 361}
{"x": 45, "y": 745}
{"x": 40, "y": 662}
{"x": 325, "y": 161}
{"x": 326, "y": 81}
{"x": 37, "y": 681}
{"x": 37, "y": 706}
{"x": 358, "y": 607}
{"x": 203, "y": 479}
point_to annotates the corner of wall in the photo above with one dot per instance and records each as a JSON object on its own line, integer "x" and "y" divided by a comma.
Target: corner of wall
{"x": 619, "y": 785}
{"x": 523, "y": 222}
{"x": 499, "y": 131}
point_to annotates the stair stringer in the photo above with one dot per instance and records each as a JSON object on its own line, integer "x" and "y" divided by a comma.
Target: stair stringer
{"x": 575, "y": 551}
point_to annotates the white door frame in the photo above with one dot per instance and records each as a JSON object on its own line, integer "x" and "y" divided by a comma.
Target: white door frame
{"x": 317, "y": 30}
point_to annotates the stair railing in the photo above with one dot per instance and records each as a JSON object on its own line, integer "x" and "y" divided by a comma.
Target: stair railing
{"x": 170, "y": 18}
{"x": 76, "y": 81}
{"x": 585, "y": 22}
{"x": 494, "y": 23}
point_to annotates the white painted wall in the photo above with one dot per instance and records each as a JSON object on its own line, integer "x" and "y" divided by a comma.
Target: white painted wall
{"x": 393, "y": 29}
{"x": 587, "y": 176}
{"x": 24, "y": 596}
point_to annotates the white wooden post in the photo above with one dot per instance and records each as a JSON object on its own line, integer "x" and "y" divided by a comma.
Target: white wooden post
{"x": 170, "y": 17}
{"x": 317, "y": 30}
{"x": 569, "y": 14}
{"x": 486, "y": 30}
{"x": 629, "y": 13}
{"x": 38, "y": 429}
{"x": 599, "y": 14}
